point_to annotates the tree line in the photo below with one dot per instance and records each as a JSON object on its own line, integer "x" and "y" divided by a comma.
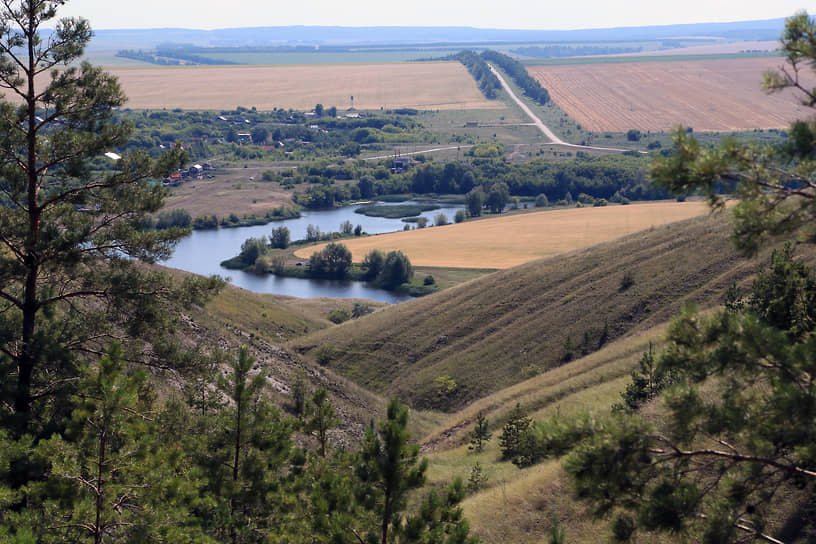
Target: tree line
{"x": 518, "y": 72}
{"x": 488, "y": 83}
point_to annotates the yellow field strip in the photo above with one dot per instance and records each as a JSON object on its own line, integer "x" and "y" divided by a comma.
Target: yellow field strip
{"x": 505, "y": 242}
{"x": 429, "y": 86}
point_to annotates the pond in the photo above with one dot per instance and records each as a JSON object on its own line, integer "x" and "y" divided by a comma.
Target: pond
{"x": 203, "y": 251}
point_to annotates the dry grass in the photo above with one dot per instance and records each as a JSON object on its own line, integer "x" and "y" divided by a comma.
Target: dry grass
{"x": 427, "y": 86}
{"x": 503, "y": 328}
{"x": 592, "y": 382}
{"x": 708, "y": 95}
{"x": 505, "y": 242}
{"x": 222, "y": 196}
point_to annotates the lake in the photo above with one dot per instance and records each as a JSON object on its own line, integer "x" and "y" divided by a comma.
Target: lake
{"x": 203, "y": 251}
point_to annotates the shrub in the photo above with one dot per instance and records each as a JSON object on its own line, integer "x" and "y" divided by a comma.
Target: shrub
{"x": 338, "y": 315}
{"x": 325, "y": 354}
{"x": 627, "y": 281}
{"x": 174, "y": 219}
{"x": 541, "y": 201}
{"x": 429, "y": 280}
{"x": 440, "y": 219}
{"x": 460, "y": 216}
{"x": 360, "y": 310}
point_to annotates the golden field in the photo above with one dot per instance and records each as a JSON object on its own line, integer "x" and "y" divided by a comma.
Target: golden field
{"x": 504, "y": 242}
{"x": 707, "y": 95}
{"x": 426, "y": 85}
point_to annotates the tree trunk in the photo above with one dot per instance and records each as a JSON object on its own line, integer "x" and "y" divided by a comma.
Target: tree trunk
{"x": 99, "y": 487}
{"x": 27, "y": 358}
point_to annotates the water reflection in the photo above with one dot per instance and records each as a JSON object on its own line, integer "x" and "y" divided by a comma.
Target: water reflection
{"x": 203, "y": 251}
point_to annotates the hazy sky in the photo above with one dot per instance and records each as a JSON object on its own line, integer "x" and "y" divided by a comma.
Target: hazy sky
{"x": 515, "y": 14}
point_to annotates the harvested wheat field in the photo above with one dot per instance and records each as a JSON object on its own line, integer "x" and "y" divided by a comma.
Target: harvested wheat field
{"x": 427, "y": 86}
{"x": 707, "y": 95}
{"x": 504, "y": 242}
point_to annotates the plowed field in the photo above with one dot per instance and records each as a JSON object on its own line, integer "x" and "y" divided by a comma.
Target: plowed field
{"x": 428, "y": 86}
{"x": 707, "y": 95}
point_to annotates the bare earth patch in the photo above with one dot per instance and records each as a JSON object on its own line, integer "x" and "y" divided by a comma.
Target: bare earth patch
{"x": 707, "y": 95}
{"x": 427, "y": 86}
{"x": 504, "y": 242}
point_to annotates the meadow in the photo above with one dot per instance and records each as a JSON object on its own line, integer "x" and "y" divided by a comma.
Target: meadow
{"x": 707, "y": 95}
{"x": 427, "y": 86}
{"x": 504, "y": 242}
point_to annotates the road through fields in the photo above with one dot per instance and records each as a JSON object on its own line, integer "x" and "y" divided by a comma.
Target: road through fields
{"x": 555, "y": 140}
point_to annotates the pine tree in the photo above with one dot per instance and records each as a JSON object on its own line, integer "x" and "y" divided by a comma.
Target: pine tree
{"x": 69, "y": 231}
{"x": 737, "y": 450}
{"x": 321, "y": 419}
{"x": 243, "y": 460}
{"x": 480, "y": 434}
{"x": 389, "y": 468}
{"x": 513, "y": 433}
{"x": 108, "y": 479}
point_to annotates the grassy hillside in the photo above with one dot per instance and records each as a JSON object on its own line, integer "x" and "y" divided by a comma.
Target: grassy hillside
{"x": 238, "y": 318}
{"x": 449, "y": 349}
{"x": 530, "y": 498}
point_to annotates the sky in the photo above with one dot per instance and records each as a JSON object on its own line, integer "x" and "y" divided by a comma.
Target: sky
{"x": 514, "y": 14}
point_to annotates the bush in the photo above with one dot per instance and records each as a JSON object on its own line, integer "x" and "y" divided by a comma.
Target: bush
{"x": 360, "y": 310}
{"x": 174, "y": 219}
{"x": 541, "y": 201}
{"x": 627, "y": 281}
{"x": 429, "y": 280}
{"x": 460, "y": 216}
{"x": 203, "y": 222}
{"x": 325, "y": 354}
{"x": 440, "y": 219}
{"x": 338, "y": 315}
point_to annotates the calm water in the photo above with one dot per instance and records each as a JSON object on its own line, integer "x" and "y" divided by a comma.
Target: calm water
{"x": 203, "y": 251}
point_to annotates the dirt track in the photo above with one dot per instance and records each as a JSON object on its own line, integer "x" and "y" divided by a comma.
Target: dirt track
{"x": 555, "y": 140}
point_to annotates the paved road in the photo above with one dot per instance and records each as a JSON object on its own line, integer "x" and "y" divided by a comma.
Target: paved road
{"x": 391, "y": 155}
{"x": 555, "y": 140}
